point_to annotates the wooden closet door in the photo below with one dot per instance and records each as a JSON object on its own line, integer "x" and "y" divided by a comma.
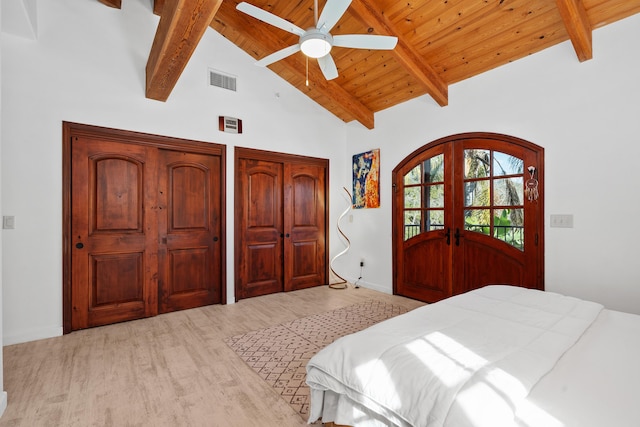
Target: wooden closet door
{"x": 189, "y": 230}
{"x": 259, "y": 227}
{"x": 113, "y": 232}
{"x": 304, "y": 243}
{"x": 281, "y": 222}
{"x": 143, "y": 225}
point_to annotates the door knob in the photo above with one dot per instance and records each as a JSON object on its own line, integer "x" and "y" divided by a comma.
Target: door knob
{"x": 448, "y": 235}
{"x": 79, "y": 245}
{"x": 457, "y": 236}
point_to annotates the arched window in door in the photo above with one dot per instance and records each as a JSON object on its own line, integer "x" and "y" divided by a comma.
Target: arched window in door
{"x": 424, "y": 197}
{"x": 461, "y": 219}
{"x": 493, "y": 195}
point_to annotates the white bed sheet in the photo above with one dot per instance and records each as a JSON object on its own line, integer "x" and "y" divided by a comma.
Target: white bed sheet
{"x": 596, "y": 382}
{"x": 593, "y": 384}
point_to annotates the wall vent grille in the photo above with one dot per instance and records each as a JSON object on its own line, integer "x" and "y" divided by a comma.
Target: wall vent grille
{"x": 222, "y": 80}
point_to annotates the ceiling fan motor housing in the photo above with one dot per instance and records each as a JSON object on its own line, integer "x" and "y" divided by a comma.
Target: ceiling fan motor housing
{"x": 316, "y": 43}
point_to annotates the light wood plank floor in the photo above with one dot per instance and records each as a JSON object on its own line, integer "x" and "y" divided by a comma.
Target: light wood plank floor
{"x": 169, "y": 370}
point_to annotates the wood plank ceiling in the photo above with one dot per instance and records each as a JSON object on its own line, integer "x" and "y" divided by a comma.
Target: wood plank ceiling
{"x": 439, "y": 43}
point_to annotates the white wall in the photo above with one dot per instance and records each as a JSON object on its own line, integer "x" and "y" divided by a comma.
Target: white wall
{"x": 88, "y": 66}
{"x": 3, "y": 397}
{"x": 585, "y": 115}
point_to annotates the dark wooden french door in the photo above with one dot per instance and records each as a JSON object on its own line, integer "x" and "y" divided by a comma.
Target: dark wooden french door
{"x": 281, "y": 222}
{"x": 468, "y": 212}
{"x": 144, "y": 225}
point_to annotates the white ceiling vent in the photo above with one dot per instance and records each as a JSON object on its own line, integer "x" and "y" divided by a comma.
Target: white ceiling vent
{"x": 223, "y": 80}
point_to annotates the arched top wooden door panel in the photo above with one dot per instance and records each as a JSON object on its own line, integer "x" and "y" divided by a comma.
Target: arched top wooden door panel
{"x": 468, "y": 212}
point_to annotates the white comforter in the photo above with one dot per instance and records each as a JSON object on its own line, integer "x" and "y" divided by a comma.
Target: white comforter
{"x": 496, "y": 342}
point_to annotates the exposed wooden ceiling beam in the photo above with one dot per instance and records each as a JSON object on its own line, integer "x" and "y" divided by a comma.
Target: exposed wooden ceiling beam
{"x": 259, "y": 34}
{"x": 577, "y": 24}
{"x": 112, "y": 3}
{"x": 370, "y": 14}
{"x": 182, "y": 24}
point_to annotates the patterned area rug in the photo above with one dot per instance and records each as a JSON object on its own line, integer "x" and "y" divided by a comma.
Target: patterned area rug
{"x": 279, "y": 354}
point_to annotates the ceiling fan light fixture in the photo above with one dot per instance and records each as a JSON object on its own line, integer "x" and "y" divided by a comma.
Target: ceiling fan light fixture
{"x": 315, "y": 43}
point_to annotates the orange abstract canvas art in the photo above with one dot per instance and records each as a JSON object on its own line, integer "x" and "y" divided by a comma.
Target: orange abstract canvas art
{"x": 366, "y": 179}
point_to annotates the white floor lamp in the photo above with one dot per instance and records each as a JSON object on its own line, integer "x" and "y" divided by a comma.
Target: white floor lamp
{"x": 343, "y": 283}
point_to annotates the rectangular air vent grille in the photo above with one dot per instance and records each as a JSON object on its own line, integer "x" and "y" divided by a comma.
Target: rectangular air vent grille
{"x": 225, "y": 81}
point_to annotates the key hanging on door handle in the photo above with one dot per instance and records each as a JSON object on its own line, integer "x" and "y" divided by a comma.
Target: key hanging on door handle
{"x": 448, "y": 235}
{"x": 457, "y": 236}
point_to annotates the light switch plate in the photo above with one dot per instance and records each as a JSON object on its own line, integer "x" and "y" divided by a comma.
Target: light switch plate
{"x": 562, "y": 220}
{"x": 8, "y": 222}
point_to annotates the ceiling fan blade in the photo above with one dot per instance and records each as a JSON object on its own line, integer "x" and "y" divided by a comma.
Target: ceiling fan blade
{"x": 331, "y": 14}
{"x": 365, "y": 41}
{"x": 269, "y": 18}
{"x": 277, "y": 56}
{"x": 328, "y": 67}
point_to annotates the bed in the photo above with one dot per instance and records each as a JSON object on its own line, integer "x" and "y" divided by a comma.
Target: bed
{"x": 496, "y": 356}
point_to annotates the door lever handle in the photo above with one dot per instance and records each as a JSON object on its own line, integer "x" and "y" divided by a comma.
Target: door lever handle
{"x": 448, "y": 236}
{"x": 457, "y": 236}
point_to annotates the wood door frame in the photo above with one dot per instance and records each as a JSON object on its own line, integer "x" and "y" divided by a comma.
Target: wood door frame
{"x": 465, "y": 136}
{"x": 70, "y": 129}
{"x": 273, "y": 156}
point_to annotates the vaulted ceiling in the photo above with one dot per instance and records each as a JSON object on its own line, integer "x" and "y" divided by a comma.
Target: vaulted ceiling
{"x": 440, "y": 42}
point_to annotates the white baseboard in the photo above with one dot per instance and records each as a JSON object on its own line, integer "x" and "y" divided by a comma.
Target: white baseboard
{"x": 3, "y": 402}
{"x": 32, "y": 335}
{"x": 372, "y": 286}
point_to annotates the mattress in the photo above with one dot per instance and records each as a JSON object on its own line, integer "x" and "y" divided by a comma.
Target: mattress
{"x": 590, "y": 382}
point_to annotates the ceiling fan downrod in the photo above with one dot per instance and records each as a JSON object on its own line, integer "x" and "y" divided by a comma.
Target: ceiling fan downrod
{"x": 315, "y": 13}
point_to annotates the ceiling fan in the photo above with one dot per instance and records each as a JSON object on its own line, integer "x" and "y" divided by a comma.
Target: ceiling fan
{"x": 316, "y": 42}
